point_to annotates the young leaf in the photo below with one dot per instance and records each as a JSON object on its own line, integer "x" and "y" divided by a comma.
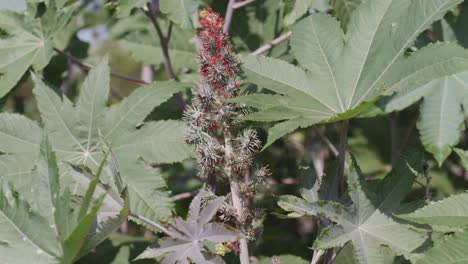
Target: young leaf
{"x": 187, "y": 237}
{"x": 367, "y": 223}
{"x": 370, "y": 61}
{"x": 26, "y": 41}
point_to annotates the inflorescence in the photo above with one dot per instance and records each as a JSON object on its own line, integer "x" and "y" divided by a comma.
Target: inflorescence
{"x": 224, "y": 149}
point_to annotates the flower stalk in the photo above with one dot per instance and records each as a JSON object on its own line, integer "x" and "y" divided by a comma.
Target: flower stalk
{"x": 224, "y": 148}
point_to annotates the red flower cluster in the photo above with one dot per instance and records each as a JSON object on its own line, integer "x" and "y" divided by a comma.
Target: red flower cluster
{"x": 218, "y": 66}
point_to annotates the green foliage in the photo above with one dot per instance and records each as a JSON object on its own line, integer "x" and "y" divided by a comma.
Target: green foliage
{"x": 442, "y": 116}
{"x": 90, "y": 157}
{"x": 74, "y": 133}
{"x": 453, "y": 250}
{"x": 448, "y": 214}
{"x": 26, "y": 41}
{"x": 343, "y": 73}
{"x": 49, "y": 229}
{"x": 145, "y": 47}
{"x": 451, "y": 212}
{"x": 344, "y": 10}
{"x": 368, "y": 222}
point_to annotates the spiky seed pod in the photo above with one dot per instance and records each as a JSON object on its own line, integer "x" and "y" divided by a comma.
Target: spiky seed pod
{"x": 223, "y": 148}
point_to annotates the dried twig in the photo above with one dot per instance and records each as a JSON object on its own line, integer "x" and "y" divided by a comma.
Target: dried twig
{"x": 229, "y": 14}
{"x": 342, "y": 154}
{"x": 185, "y": 195}
{"x": 151, "y": 223}
{"x": 272, "y": 43}
{"x": 242, "y": 4}
{"x": 163, "y": 40}
{"x": 86, "y": 67}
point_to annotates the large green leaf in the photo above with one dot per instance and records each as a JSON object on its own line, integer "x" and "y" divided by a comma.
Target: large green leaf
{"x": 26, "y": 42}
{"x": 451, "y": 251}
{"x": 368, "y": 222}
{"x": 344, "y": 73}
{"x": 74, "y": 132}
{"x": 442, "y": 116}
{"x": 450, "y": 212}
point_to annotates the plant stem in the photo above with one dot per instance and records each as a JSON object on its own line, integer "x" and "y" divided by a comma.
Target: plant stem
{"x": 86, "y": 67}
{"x": 393, "y": 138}
{"x": 427, "y": 175}
{"x": 164, "y": 41}
{"x": 229, "y": 14}
{"x": 242, "y": 4}
{"x": 236, "y": 200}
{"x": 272, "y": 43}
{"x": 336, "y": 254}
{"x": 151, "y": 223}
{"x": 327, "y": 142}
{"x": 342, "y": 154}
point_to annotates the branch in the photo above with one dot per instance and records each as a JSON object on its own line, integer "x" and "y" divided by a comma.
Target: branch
{"x": 427, "y": 175}
{"x": 185, "y": 195}
{"x": 342, "y": 154}
{"x": 242, "y": 4}
{"x": 327, "y": 142}
{"x": 151, "y": 223}
{"x": 164, "y": 41}
{"x": 229, "y": 13}
{"x": 273, "y": 43}
{"x": 86, "y": 67}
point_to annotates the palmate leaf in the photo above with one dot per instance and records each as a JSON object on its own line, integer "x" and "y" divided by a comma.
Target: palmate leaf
{"x": 186, "y": 237}
{"x": 344, "y": 73}
{"x": 442, "y": 117}
{"x": 74, "y": 133}
{"x": 78, "y": 138}
{"x": 26, "y": 41}
{"x": 368, "y": 223}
